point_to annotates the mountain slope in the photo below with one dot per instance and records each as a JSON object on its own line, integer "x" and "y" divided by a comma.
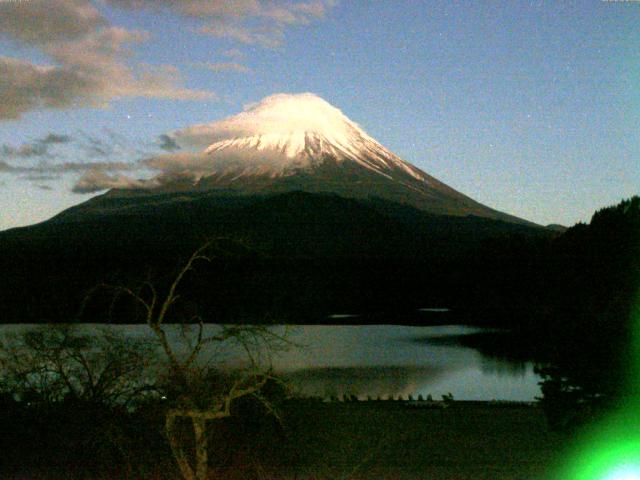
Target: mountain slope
{"x": 319, "y": 218}
{"x": 304, "y": 255}
{"x": 299, "y": 142}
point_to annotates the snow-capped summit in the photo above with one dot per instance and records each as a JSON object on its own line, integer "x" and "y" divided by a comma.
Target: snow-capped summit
{"x": 290, "y": 132}
{"x": 293, "y": 142}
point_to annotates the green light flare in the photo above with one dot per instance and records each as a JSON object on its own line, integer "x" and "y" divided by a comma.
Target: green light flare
{"x": 624, "y": 472}
{"x": 610, "y": 449}
{"x": 613, "y": 448}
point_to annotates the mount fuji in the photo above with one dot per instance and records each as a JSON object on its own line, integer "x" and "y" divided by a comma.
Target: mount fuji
{"x": 316, "y": 216}
{"x": 296, "y": 143}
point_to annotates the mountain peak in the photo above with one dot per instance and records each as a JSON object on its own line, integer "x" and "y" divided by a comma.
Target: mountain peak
{"x": 283, "y": 114}
{"x": 286, "y": 133}
{"x": 289, "y": 142}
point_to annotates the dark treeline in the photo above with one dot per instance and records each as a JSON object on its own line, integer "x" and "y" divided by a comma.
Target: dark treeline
{"x": 566, "y": 299}
{"x": 298, "y": 257}
{"x": 572, "y": 311}
{"x": 595, "y": 291}
{"x": 293, "y": 257}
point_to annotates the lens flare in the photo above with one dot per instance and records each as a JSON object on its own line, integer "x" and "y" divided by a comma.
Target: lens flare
{"x": 624, "y": 472}
{"x": 610, "y": 450}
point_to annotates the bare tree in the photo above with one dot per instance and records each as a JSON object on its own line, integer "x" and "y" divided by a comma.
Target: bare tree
{"x": 197, "y": 392}
{"x": 53, "y": 363}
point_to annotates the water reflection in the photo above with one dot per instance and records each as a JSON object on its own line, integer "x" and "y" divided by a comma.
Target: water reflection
{"x": 385, "y": 361}
{"x": 500, "y": 366}
{"x": 362, "y": 382}
{"x": 374, "y": 360}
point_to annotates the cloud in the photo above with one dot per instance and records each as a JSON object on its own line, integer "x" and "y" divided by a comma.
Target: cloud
{"x": 41, "y": 177}
{"x": 26, "y": 150}
{"x": 47, "y": 168}
{"x": 93, "y": 166}
{"x": 167, "y": 143}
{"x": 54, "y": 138}
{"x": 102, "y": 166}
{"x": 314, "y": 9}
{"x": 280, "y": 114}
{"x": 6, "y": 168}
{"x": 90, "y": 60}
{"x": 107, "y": 173}
{"x": 39, "y": 22}
{"x": 96, "y": 180}
{"x": 26, "y": 87}
{"x": 265, "y": 37}
{"x": 233, "y": 53}
{"x": 175, "y": 170}
{"x": 176, "y": 163}
{"x": 195, "y": 8}
{"x": 110, "y": 145}
{"x": 251, "y": 22}
{"x": 37, "y": 148}
{"x": 94, "y": 147}
{"x": 276, "y": 114}
{"x": 226, "y": 67}
{"x": 228, "y": 10}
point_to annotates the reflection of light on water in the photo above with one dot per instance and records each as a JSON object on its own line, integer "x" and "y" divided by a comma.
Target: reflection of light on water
{"x": 368, "y": 360}
{"x": 498, "y": 366}
{"x": 472, "y": 383}
{"x": 362, "y": 382}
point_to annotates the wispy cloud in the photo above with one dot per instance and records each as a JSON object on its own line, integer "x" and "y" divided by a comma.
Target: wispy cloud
{"x": 251, "y": 22}
{"x": 279, "y": 113}
{"x": 168, "y": 144}
{"x": 47, "y": 170}
{"x": 187, "y": 161}
{"x": 233, "y": 53}
{"x": 53, "y": 138}
{"x": 97, "y": 160}
{"x": 38, "y": 148}
{"x": 96, "y": 180}
{"x": 225, "y": 67}
{"x": 268, "y": 37}
{"x": 55, "y": 155}
{"x": 95, "y": 147}
{"x": 90, "y": 60}
{"x": 195, "y": 8}
{"x": 26, "y": 150}
{"x": 273, "y": 19}
{"x": 41, "y": 177}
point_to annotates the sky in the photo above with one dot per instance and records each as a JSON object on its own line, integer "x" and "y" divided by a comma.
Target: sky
{"x": 530, "y": 107}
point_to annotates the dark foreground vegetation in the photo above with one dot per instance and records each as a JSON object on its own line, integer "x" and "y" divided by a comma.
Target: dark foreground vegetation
{"x": 566, "y": 299}
{"x": 296, "y": 257}
{"x": 106, "y": 406}
{"x": 312, "y": 440}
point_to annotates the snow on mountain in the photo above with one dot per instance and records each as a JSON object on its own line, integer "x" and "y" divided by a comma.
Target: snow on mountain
{"x": 290, "y": 142}
{"x": 290, "y": 133}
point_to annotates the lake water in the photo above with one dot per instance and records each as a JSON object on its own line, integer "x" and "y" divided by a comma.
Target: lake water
{"x": 375, "y": 361}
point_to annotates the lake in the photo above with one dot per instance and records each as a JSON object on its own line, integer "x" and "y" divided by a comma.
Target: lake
{"x": 373, "y": 361}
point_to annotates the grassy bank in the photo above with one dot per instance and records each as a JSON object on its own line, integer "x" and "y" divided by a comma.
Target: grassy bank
{"x": 390, "y": 440}
{"x": 341, "y": 440}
